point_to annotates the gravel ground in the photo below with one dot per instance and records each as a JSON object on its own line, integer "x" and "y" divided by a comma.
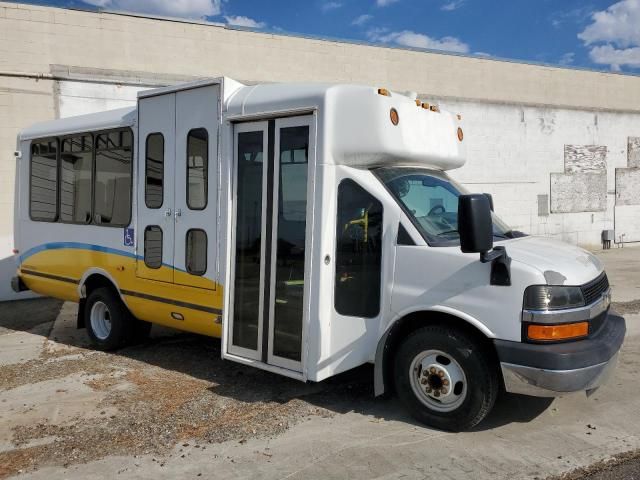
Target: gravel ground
{"x": 172, "y": 390}
{"x": 620, "y": 467}
{"x": 169, "y": 390}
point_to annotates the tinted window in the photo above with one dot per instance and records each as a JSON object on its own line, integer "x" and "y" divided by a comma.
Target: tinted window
{"x": 153, "y": 246}
{"x": 43, "y": 200}
{"x": 246, "y": 304}
{"x": 112, "y": 194}
{"x": 76, "y": 160}
{"x": 197, "y": 168}
{"x": 358, "y": 251}
{"x": 154, "y": 171}
{"x": 196, "y": 252}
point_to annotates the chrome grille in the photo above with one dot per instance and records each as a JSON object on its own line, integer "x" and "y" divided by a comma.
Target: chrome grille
{"x": 593, "y": 290}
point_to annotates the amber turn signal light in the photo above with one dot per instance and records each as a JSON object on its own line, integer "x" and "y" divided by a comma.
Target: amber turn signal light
{"x": 460, "y": 134}
{"x": 384, "y": 91}
{"x": 552, "y": 333}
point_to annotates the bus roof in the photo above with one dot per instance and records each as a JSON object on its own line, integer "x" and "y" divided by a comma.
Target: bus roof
{"x": 359, "y": 126}
{"x": 121, "y": 117}
{"x": 356, "y": 127}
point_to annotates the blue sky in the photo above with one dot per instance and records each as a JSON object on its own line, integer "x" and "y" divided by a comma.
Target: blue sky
{"x": 598, "y": 34}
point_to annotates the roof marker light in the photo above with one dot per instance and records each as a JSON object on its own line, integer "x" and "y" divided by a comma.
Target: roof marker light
{"x": 425, "y": 105}
{"x": 460, "y": 134}
{"x": 434, "y": 108}
{"x": 393, "y": 115}
{"x": 459, "y": 116}
{"x": 418, "y": 102}
{"x": 384, "y": 91}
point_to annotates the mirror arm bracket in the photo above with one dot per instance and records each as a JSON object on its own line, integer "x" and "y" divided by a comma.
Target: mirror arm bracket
{"x": 500, "y": 266}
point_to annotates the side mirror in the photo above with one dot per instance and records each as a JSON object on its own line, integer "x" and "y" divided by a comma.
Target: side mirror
{"x": 488, "y": 195}
{"x": 475, "y": 225}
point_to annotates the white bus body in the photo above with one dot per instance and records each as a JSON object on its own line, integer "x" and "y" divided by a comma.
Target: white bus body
{"x": 314, "y": 229}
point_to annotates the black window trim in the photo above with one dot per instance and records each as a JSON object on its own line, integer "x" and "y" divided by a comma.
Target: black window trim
{"x": 146, "y": 169}
{"x": 335, "y": 263}
{"x": 42, "y": 140}
{"x": 133, "y": 160}
{"x": 144, "y": 246}
{"x": 206, "y": 171}
{"x": 94, "y": 139}
{"x": 206, "y": 251}
{"x": 61, "y": 140}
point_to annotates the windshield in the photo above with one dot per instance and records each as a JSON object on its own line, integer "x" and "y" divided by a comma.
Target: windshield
{"x": 430, "y": 199}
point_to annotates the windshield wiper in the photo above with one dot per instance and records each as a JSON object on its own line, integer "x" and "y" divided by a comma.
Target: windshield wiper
{"x": 447, "y": 232}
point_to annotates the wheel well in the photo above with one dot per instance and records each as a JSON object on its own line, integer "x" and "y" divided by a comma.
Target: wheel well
{"x": 404, "y": 326}
{"x": 92, "y": 282}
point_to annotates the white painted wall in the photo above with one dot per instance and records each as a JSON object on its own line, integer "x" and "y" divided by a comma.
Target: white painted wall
{"x": 513, "y": 149}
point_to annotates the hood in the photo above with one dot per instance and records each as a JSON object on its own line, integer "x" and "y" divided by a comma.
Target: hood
{"x": 559, "y": 262}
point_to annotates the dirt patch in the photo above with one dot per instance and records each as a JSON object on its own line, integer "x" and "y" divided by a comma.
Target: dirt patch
{"x": 627, "y": 308}
{"x": 600, "y": 467}
{"x": 160, "y": 395}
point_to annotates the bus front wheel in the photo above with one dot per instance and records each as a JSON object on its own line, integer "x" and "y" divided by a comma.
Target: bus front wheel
{"x": 445, "y": 378}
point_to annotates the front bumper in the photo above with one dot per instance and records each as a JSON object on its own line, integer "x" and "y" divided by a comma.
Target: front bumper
{"x": 549, "y": 370}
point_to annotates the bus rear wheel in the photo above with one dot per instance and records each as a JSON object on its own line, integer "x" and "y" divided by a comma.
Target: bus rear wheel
{"x": 445, "y": 378}
{"x": 108, "y": 321}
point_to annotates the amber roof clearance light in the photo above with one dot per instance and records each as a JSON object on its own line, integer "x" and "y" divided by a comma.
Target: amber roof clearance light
{"x": 460, "y": 134}
{"x": 393, "y": 115}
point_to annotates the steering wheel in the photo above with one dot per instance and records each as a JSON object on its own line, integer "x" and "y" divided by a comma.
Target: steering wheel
{"x": 434, "y": 209}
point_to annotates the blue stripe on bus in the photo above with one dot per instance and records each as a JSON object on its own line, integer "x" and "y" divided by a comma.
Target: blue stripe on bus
{"x": 84, "y": 246}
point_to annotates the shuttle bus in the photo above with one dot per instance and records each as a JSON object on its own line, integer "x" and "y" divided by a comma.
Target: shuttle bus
{"x": 313, "y": 228}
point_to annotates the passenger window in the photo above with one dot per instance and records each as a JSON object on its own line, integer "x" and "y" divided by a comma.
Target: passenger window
{"x": 76, "y": 160}
{"x": 197, "y": 168}
{"x": 293, "y": 172}
{"x": 112, "y": 196}
{"x": 43, "y": 197}
{"x": 153, "y": 246}
{"x": 154, "y": 171}
{"x": 196, "y": 260}
{"x": 358, "y": 251}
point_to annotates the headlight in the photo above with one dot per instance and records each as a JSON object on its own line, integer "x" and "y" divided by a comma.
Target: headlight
{"x": 552, "y": 297}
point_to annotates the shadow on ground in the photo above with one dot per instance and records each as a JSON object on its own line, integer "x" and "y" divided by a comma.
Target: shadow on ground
{"x": 199, "y": 357}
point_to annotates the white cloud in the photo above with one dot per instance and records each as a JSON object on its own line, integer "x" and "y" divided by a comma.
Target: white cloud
{"x": 616, "y": 57}
{"x": 384, "y": 3}
{"x": 241, "y": 21}
{"x": 567, "y": 58}
{"x": 618, "y": 24}
{"x": 409, "y": 38}
{"x": 327, "y": 6}
{"x": 614, "y": 35}
{"x": 361, "y": 20}
{"x": 452, "y": 5}
{"x": 173, "y": 8}
{"x": 573, "y": 16}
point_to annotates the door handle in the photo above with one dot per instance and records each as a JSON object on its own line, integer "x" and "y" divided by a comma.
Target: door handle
{"x": 167, "y": 212}
{"x": 177, "y": 214}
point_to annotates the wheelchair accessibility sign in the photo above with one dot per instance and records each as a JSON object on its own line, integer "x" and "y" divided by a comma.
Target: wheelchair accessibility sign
{"x": 128, "y": 237}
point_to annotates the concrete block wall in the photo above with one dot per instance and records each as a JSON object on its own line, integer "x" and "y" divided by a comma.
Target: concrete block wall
{"x": 515, "y": 152}
{"x": 524, "y": 124}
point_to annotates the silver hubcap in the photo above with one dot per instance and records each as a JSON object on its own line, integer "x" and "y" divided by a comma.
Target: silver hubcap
{"x": 438, "y": 380}
{"x": 100, "y": 320}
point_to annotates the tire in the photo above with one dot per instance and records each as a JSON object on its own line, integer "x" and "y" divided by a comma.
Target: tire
{"x": 117, "y": 331}
{"x": 453, "y": 396}
{"x": 141, "y": 331}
